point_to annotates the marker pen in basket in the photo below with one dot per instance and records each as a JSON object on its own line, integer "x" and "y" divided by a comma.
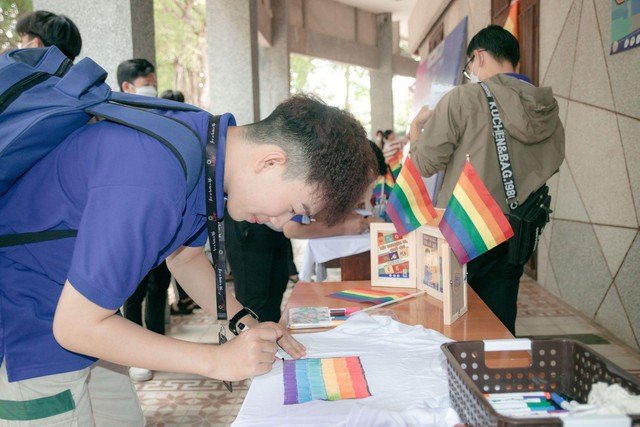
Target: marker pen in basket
{"x": 560, "y": 401}
{"x": 525, "y": 394}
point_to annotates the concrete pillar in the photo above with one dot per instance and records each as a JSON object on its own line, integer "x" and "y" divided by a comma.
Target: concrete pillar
{"x": 274, "y": 60}
{"x": 233, "y": 59}
{"x": 112, "y": 31}
{"x": 381, "y": 78}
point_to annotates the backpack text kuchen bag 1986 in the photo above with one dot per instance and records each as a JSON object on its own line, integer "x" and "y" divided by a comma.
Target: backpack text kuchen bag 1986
{"x": 44, "y": 98}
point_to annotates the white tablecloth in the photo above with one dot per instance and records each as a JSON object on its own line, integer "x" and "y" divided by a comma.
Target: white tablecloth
{"x": 404, "y": 367}
{"x": 323, "y": 249}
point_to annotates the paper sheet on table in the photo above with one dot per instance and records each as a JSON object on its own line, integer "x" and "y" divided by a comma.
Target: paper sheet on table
{"x": 405, "y": 369}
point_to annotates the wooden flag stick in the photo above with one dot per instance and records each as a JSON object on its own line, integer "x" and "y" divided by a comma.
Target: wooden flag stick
{"x": 389, "y": 302}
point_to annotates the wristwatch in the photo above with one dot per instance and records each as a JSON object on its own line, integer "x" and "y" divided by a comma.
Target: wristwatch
{"x": 236, "y": 327}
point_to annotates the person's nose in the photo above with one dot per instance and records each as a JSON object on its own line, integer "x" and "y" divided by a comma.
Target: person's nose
{"x": 279, "y": 221}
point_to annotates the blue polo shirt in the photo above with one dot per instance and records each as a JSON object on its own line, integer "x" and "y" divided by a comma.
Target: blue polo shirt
{"x": 126, "y": 195}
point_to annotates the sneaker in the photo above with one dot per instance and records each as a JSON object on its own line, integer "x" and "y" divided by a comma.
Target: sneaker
{"x": 140, "y": 374}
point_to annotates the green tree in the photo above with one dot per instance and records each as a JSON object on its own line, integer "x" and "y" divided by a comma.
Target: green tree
{"x": 181, "y": 48}
{"x": 10, "y": 11}
{"x": 300, "y": 67}
{"x": 341, "y": 85}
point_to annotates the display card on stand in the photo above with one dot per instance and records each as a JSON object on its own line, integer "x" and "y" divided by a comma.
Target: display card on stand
{"x": 439, "y": 272}
{"x": 392, "y": 257}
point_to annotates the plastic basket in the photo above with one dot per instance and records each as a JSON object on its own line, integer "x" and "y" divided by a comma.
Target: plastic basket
{"x": 559, "y": 365}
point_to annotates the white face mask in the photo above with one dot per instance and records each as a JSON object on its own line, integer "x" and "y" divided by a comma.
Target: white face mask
{"x": 147, "y": 91}
{"x": 474, "y": 78}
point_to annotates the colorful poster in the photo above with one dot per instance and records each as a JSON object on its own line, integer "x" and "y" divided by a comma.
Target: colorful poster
{"x": 625, "y": 25}
{"x": 393, "y": 256}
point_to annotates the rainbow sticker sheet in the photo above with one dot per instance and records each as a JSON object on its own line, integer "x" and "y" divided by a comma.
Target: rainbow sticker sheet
{"x": 333, "y": 378}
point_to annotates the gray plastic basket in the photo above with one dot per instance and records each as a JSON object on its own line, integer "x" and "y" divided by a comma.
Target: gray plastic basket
{"x": 559, "y": 365}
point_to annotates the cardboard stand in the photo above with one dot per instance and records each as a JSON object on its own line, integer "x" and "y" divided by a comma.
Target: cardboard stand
{"x": 421, "y": 259}
{"x": 439, "y": 272}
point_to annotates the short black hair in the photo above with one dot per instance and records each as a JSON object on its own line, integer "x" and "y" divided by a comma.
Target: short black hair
{"x": 52, "y": 30}
{"x": 326, "y": 147}
{"x": 500, "y": 43}
{"x": 174, "y": 95}
{"x": 131, "y": 69}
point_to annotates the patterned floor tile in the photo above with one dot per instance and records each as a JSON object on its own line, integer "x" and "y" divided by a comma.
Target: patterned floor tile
{"x": 534, "y": 301}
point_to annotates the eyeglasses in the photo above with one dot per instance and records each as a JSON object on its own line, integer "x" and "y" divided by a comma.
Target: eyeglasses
{"x": 465, "y": 73}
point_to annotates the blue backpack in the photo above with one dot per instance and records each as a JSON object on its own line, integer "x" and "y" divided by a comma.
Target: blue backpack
{"x": 44, "y": 98}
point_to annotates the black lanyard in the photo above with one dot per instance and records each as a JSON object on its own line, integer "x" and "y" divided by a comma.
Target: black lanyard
{"x": 214, "y": 188}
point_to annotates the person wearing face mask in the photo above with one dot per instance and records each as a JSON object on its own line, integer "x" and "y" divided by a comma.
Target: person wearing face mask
{"x": 461, "y": 125}
{"x": 137, "y": 76}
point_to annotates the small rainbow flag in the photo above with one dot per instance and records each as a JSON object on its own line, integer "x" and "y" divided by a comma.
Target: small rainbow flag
{"x": 377, "y": 191}
{"x": 324, "y": 379}
{"x": 511, "y": 24}
{"x": 367, "y": 295}
{"x": 395, "y": 164}
{"x": 389, "y": 182}
{"x": 473, "y": 222}
{"x": 409, "y": 204}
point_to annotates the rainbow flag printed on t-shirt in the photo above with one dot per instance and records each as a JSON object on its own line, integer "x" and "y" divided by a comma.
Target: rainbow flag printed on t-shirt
{"x": 473, "y": 222}
{"x": 333, "y": 378}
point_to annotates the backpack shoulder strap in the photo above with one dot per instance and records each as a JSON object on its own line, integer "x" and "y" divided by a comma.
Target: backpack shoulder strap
{"x": 174, "y": 134}
{"x": 147, "y": 102}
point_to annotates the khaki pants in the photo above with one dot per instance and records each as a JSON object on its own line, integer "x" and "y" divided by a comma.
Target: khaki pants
{"x": 101, "y": 395}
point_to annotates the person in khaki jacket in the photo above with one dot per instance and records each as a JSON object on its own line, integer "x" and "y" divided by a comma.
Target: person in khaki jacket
{"x": 461, "y": 124}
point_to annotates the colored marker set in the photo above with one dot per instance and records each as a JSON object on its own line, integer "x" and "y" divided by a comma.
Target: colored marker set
{"x": 535, "y": 404}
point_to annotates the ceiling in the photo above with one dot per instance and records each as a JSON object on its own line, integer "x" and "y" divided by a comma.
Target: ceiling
{"x": 399, "y": 9}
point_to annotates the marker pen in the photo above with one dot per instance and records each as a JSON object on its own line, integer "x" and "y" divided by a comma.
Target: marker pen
{"x": 560, "y": 401}
{"x": 518, "y": 399}
{"x": 346, "y": 311}
{"x": 540, "y": 414}
{"x": 543, "y": 394}
{"x": 523, "y": 404}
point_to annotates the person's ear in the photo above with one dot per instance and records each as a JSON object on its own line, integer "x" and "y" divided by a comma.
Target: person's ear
{"x": 479, "y": 58}
{"x": 270, "y": 159}
{"x": 38, "y": 42}
{"x": 128, "y": 87}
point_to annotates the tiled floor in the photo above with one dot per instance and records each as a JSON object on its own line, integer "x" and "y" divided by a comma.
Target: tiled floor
{"x": 182, "y": 400}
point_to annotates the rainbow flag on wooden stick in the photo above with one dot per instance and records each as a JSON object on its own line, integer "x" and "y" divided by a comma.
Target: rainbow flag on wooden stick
{"x": 511, "y": 24}
{"x": 473, "y": 222}
{"x": 395, "y": 164}
{"x": 409, "y": 204}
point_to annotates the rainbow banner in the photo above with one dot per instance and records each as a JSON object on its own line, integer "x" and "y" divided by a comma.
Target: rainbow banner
{"x": 511, "y": 24}
{"x": 367, "y": 295}
{"x": 333, "y": 378}
{"x": 395, "y": 164}
{"x": 473, "y": 222}
{"x": 409, "y": 204}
